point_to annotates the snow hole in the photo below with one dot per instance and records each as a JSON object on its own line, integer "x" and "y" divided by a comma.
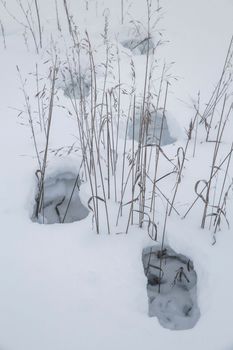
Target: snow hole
{"x": 61, "y": 202}
{"x": 156, "y": 122}
{"x": 139, "y": 45}
{"x": 78, "y": 88}
{"x": 171, "y": 288}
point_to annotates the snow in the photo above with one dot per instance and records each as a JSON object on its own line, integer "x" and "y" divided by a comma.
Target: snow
{"x": 61, "y": 202}
{"x": 171, "y": 287}
{"x": 156, "y": 123}
{"x": 64, "y": 286}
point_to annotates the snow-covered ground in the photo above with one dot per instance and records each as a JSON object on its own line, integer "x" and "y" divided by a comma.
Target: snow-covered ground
{"x": 62, "y": 286}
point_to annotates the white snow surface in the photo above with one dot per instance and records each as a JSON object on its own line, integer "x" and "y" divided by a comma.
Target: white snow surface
{"x": 63, "y": 287}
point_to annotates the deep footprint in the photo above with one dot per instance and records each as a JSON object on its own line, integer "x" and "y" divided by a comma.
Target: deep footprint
{"x": 61, "y": 202}
{"x": 139, "y": 46}
{"x": 154, "y": 130}
{"x": 171, "y": 288}
{"x": 78, "y": 89}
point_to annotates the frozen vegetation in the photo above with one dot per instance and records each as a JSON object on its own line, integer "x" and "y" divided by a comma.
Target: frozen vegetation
{"x": 116, "y": 175}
